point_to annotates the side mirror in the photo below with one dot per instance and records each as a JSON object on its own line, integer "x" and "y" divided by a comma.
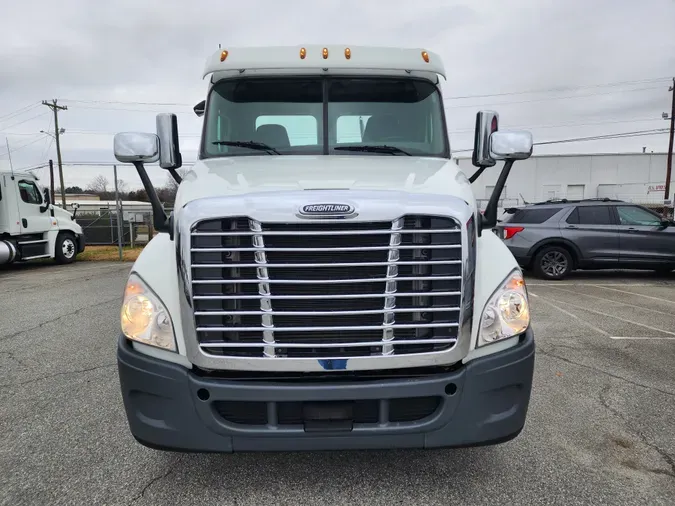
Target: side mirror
{"x": 75, "y": 206}
{"x": 487, "y": 122}
{"x": 133, "y": 147}
{"x": 200, "y": 108}
{"x": 511, "y": 145}
{"x": 169, "y": 150}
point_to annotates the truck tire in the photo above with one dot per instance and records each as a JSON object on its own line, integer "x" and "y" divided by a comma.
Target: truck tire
{"x": 552, "y": 262}
{"x": 66, "y": 248}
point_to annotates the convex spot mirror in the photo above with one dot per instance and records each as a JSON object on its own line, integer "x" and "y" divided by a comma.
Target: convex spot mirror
{"x": 511, "y": 145}
{"x": 130, "y": 147}
{"x": 169, "y": 149}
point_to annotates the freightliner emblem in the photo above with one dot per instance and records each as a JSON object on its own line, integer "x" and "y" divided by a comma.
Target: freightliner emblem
{"x": 325, "y": 210}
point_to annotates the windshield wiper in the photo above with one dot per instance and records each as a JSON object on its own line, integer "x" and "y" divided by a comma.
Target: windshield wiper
{"x": 260, "y": 146}
{"x": 393, "y": 150}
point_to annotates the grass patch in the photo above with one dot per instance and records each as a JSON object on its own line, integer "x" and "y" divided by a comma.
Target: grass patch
{"x": 108, "y": 254}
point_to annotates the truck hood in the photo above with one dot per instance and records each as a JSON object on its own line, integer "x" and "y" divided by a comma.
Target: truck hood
{"x": 254, "y": 174}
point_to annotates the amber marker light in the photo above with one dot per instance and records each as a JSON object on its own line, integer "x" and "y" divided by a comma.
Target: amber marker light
{"x": 325, "y": 53}
{"x": 425, "y": 56}
{"x": 303, "y": 53}
{"x": 223, "y": 55}
{"x": 348, "y": 53}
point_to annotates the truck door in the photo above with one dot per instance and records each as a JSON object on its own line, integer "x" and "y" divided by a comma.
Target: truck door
{"x": 642, "y": 237}
{"x": 30, "y": 201}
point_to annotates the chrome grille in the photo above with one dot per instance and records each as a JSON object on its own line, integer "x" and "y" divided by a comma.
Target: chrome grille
{"x": 326, "y": 288}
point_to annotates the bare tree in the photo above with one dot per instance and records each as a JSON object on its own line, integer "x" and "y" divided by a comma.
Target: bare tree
{"x": 99, "y": 184}
{"x": 122, "y": 186}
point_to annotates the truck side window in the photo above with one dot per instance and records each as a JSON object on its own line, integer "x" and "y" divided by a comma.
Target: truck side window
{"x": 29, "y": 192}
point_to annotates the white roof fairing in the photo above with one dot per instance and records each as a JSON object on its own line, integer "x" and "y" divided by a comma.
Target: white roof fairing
{"x": 283, "y": 59}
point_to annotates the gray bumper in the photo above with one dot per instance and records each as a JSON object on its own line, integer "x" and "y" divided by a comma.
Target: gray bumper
{"x": 483, "y": 402}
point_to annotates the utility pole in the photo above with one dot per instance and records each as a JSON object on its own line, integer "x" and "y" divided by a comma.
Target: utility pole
{"x": 9, "y": 155}
{"x": 669, "y": 166}
{"x": 55, "y": 109}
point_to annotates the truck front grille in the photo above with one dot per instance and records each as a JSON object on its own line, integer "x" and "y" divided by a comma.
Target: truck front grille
{"x": 326, "y": 289}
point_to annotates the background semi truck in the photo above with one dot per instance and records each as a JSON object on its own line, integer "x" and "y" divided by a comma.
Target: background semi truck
{"x": 326, "y": 280}
{"x": 30, "y": 226}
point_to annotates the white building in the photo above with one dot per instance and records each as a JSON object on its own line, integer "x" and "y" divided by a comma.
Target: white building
{"x": 635, "y": 177}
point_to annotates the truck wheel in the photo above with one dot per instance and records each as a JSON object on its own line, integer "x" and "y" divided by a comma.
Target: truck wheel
{"x": 552, "y": 262}
{"x": 66, "y": 248}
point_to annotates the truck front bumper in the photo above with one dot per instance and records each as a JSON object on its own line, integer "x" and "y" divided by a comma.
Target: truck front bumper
{"x": 172, "y": 408}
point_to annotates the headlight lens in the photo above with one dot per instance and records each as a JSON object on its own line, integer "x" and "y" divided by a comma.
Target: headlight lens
{"x": 144, "y": 318}
{"x": 507, "y": 313}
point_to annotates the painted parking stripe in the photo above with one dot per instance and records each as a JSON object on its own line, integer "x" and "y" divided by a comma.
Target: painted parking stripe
{"x": 613, "y": 316}
{"x": 641, "y": 308}
{"x": 641, "y": 338}
{"x": 638, "y": 294}
{"x": 571, "y": 315}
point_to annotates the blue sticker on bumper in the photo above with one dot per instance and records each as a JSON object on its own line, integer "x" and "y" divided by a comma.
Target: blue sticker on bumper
{"x": 334, "y": 364}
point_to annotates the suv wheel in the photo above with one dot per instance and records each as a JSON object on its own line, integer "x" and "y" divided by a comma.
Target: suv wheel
{"x": 552, "y": 262}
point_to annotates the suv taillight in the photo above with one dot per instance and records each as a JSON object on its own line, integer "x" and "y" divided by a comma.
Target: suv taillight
{"x": 509, "y": 232}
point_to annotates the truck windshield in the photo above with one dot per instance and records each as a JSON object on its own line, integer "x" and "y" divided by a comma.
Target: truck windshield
{"x": 331, "y": 116}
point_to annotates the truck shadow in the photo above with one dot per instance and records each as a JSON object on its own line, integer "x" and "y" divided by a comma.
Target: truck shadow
{"x": 351, "y": 476}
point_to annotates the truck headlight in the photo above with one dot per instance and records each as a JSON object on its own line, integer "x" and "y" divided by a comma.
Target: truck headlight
{"x": 144, "y": 318}
{"x": 507, "y": 313}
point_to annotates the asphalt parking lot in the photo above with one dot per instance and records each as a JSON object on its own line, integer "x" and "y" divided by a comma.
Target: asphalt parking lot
{"x": 601, "y": 426}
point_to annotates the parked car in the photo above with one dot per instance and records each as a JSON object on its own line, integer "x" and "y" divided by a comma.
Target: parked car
{"x": 554, "y": 238}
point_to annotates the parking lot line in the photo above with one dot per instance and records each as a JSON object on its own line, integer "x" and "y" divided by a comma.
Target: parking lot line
{"x": 609, "y": 316}
{"x": 639, "y": 338}
{"x": 571, "y": 315}
{"x": 636, "y": 294}
{"x": 642, "y": 308}
{"x": 559, "y": 283}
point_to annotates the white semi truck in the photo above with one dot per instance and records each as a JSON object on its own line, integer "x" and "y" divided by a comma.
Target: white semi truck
{"x": 30, "y": 226}
{"x": 325, "y": 280}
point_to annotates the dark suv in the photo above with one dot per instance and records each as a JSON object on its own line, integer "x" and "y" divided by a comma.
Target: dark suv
{"x": 555, "y": 237}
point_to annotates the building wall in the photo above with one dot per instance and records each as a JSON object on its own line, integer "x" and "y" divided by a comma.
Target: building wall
{"x": 635, "y": 177}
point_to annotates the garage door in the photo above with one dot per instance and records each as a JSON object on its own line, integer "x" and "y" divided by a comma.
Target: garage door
{"x": 607, "y": 191}
{"x": 575, "y": 192}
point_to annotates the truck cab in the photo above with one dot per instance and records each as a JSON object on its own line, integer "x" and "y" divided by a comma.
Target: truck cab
{"x": 326, "y": 280}
{"x": 30, "y": 226}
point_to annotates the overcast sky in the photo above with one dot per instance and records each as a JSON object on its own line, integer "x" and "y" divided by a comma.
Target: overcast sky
{"x": 90, "y": 53}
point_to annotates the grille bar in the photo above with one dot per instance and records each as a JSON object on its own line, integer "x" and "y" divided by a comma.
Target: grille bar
{"x": 320, "y": 281}
{"x": 320, "y": 297}
{"x": 338, "y": 264}
{"x": 324, "y": 313}
{"x": 315, "y": 250}
{"x": 263, "y": 288}
{"x": 325, "y": 232}
{"x": 332, "y": 327}
{"x": 393, "y": 256}
{"x": 450, "y": 340}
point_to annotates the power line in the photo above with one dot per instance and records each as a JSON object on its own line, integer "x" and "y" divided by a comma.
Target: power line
{"x": 19, "y": 112}
{"x": 127, "y": 102}
{"x": 621, "y": 135}
{"x": 561, "y": 88}
{"x": 21, "y": 146}
{"x": 563, "y": 125}
{"x": 546, "y": 99}
{"x": 24, "y": 121}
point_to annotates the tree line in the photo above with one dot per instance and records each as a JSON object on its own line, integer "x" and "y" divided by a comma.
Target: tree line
{"x": 102, "y": 187}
